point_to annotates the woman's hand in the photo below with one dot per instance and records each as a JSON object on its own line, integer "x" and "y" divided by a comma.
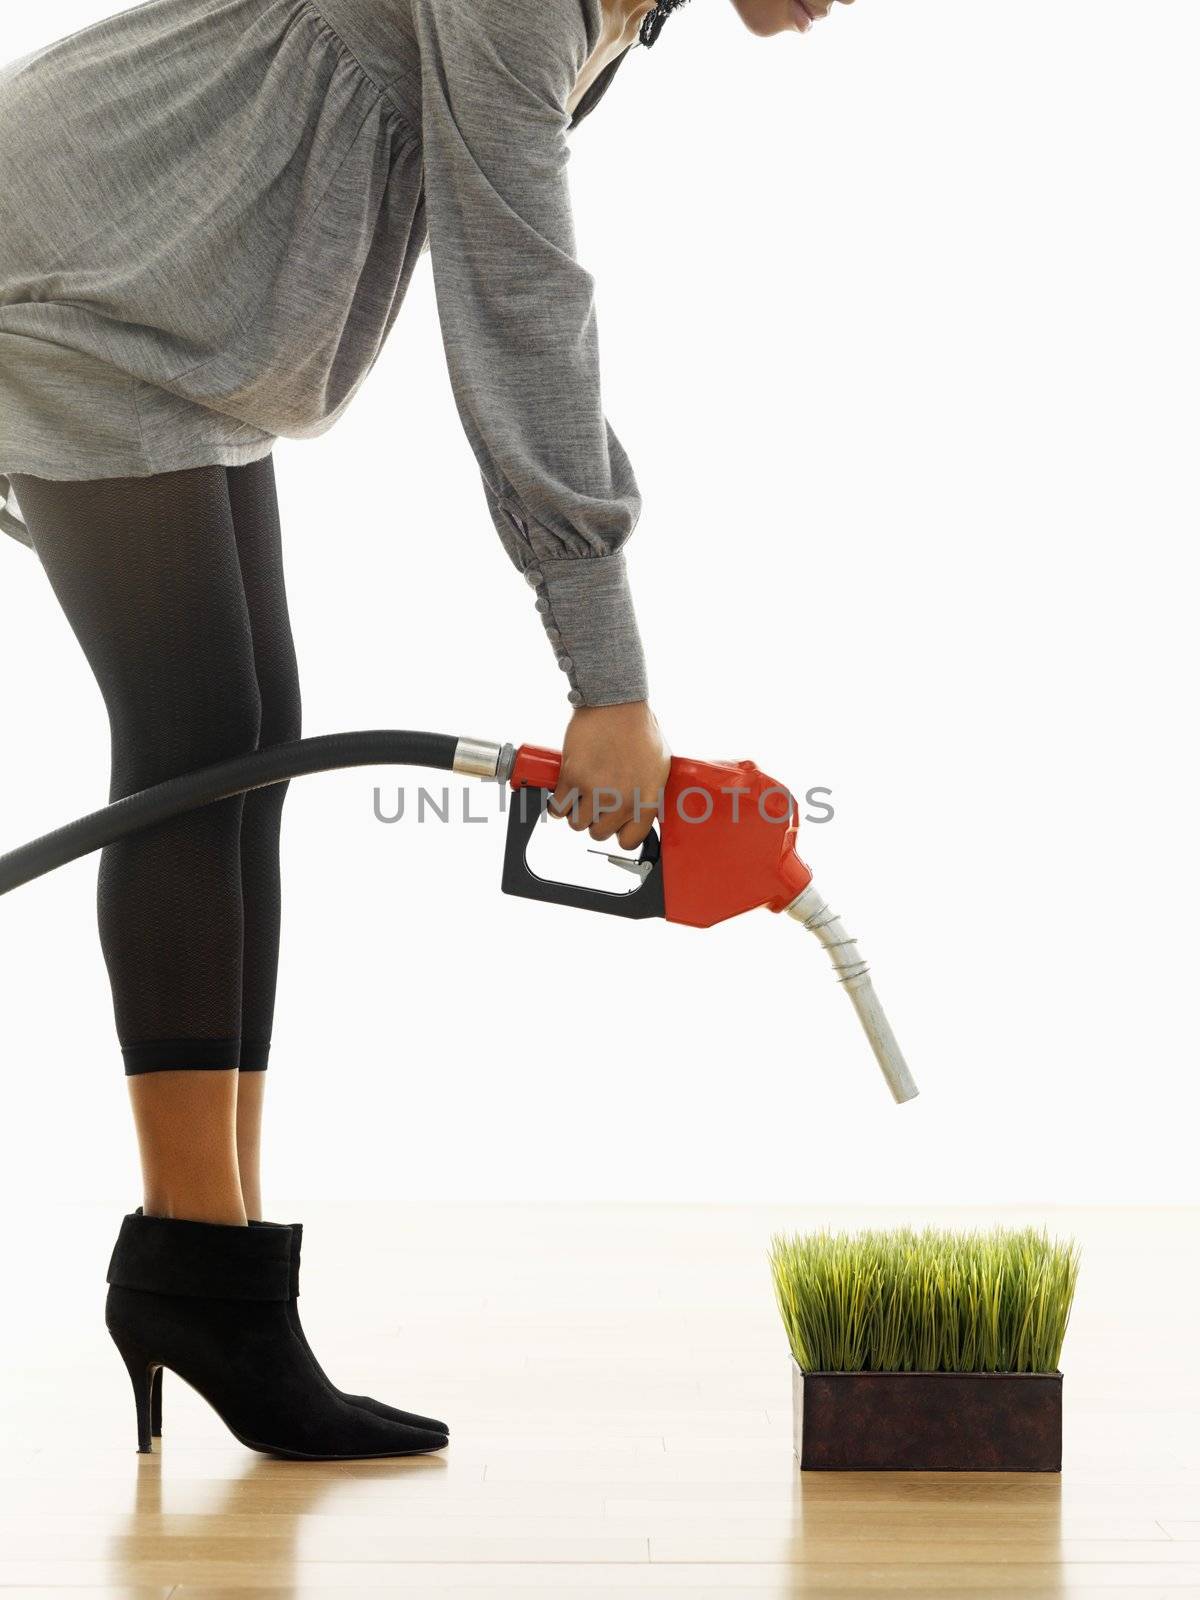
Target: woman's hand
{"x": 615, "y": 763}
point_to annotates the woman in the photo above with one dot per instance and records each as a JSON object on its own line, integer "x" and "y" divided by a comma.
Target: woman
{"x": 211, "y": 213}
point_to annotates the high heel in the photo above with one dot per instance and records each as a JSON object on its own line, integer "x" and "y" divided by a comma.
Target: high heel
{"x": 155, "y": 1390}
{"x": 144, "y": 1376}
{"x": 209, "y": 1300}
{"x": 412, "y": 1419}
{"x": 156, "y": 1404}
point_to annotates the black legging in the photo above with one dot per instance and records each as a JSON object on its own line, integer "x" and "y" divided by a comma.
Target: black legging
{"x": 174, "y": 587}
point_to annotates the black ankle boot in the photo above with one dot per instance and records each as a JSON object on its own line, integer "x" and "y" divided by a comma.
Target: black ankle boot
{"x": 412, "y": 1419}
{"x": 209, "y": 1300}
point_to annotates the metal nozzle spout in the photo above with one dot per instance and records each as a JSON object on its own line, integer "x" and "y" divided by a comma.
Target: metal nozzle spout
{"x": 854, "y": 976}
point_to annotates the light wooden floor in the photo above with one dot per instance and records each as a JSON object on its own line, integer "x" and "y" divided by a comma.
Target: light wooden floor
{"x": 618, "y": 1389}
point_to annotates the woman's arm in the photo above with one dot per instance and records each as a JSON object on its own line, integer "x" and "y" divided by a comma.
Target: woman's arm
{"x": 519, "y": 325}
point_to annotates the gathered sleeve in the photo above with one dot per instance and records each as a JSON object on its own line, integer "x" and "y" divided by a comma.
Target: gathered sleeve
{"x": 518, "y": 320}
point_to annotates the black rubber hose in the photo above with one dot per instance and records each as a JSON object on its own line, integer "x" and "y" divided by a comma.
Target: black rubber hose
{"x": 273, "y": 764}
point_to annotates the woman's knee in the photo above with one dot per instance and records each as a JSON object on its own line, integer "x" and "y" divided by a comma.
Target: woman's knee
{"x": 239, "y": 729}
{"x": 282, "y": 709}
{"x": 162, "y": 736}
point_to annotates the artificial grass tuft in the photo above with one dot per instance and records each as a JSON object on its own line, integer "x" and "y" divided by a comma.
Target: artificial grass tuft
{"x": 930, "y": 1301}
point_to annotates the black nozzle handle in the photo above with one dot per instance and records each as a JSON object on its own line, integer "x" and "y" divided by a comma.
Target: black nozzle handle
{"x": 527, "y": 806}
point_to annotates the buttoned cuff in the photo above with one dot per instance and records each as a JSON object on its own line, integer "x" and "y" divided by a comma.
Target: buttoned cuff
{"x": 587, "y": 611}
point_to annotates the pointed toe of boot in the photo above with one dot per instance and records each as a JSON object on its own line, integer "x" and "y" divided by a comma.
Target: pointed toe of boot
{"x": 358, "y": 1435}
{"x": 410, "y": 1419}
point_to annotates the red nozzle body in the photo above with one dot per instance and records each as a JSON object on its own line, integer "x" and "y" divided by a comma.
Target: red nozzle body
{"x": 728, "y": 836}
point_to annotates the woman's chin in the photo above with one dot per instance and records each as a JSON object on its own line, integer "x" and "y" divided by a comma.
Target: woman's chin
{"x": 765, "y": 18}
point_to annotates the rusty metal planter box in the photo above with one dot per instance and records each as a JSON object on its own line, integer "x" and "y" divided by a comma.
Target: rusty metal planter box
{"x": 927, "y": 1421}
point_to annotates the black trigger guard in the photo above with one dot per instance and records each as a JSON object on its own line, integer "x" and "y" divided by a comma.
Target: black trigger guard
{"x": 526, "y": 807}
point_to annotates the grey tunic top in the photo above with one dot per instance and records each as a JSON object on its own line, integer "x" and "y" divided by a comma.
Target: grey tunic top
{"x": 210, "y": 211}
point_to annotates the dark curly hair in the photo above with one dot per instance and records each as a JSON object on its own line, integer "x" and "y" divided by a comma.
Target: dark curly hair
{"x": 653, "y": 20}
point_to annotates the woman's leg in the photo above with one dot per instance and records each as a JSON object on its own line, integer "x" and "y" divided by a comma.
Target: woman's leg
{"x": 256, "y": 524}
{"x": 147, "y": 572}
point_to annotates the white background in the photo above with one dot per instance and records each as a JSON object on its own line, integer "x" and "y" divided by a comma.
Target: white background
{"x": 899, "y": 328}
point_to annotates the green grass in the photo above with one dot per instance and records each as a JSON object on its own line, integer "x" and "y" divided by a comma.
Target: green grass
{"x": 933, "y": 1301}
